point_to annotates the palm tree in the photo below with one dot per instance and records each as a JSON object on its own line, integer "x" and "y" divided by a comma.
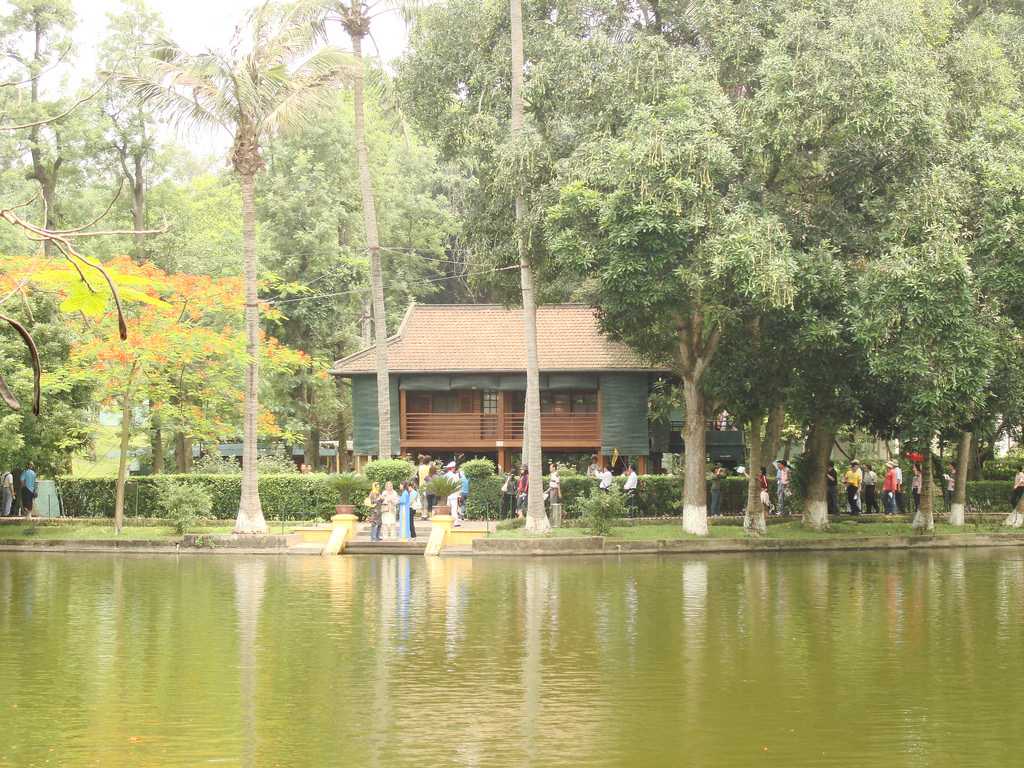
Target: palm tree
{"x": 355, "y": 18}
{"x": 271, "y": 77}
{"x": 536, "y": 518}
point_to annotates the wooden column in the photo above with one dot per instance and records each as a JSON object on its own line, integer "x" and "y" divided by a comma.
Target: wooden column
{"x": 641, "y": 465}
{"x": 402, "y": 411}
{"x": 502, "y": 460}
{"x": 501, "y": 417}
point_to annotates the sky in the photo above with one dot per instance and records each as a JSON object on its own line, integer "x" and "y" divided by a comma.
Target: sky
{"x": 201, "y": 24}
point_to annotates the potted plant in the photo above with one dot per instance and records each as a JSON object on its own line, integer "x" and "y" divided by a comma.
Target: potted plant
{"x": 351, "y": 488}
{"x": 442, "y": 488}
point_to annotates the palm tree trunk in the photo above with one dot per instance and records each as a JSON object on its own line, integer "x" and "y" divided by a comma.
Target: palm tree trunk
{"x": 380, "y": 329}
{"x": 536, "y": 517}
{"x": 958, "y": 505}
{"x": 250, "y": 511}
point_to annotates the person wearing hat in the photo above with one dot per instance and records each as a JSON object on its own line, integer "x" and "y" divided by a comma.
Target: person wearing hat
{"x": 451, "y": 472}
{"x": 781, "y": 484}
{"x": 889, "y": 489}
{"x": 852, "y": 479}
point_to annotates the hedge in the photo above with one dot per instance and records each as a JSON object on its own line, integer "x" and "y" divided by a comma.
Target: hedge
{"x": 1001, "y": 469}
{"x": 989, "y": 495}
{"x": 306, "y": 497}
{"x": 395, "y": 471}
{"x": 284, "y": 497}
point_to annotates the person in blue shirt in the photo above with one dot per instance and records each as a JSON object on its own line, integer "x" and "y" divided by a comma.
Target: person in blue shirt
{"x": 463, "y": 496}
{"x": 404, "y": 511}
{"x": 28, "y": 488}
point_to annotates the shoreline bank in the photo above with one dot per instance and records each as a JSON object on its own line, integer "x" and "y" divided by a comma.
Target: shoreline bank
{"x": 542, "y": 547}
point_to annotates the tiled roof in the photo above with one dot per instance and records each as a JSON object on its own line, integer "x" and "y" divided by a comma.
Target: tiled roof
{"x": 489, "y": 338}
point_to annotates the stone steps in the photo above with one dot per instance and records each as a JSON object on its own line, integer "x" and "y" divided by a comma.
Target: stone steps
{"x": 363, "y": 546}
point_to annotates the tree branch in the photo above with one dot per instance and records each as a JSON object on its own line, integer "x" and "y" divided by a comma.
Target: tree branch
{"x": 61, "y": 116}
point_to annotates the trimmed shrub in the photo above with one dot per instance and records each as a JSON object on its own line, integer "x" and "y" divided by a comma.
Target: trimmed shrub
{"x": 600, "y": 509}
{"x": 395, "y": 470}
{"x": 476, "y": 469}
{"x": 351, "y": 488}
{"x": 183, "y": 505}
{"x": 484, "y": 499}
{"x": 286, "y": 497}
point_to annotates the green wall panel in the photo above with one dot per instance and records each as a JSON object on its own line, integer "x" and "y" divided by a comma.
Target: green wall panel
{"x": 624, "y": 414}
{"x": 425, "y": 382}
{"x": 364, "y": 415}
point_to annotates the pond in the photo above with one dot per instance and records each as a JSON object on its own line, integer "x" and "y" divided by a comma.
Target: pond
{"x": 845, "y": 659}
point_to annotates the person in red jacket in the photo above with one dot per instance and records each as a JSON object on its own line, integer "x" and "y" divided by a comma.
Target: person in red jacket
{"x": 889, "y": 486}
{"x": 523, "y": 491}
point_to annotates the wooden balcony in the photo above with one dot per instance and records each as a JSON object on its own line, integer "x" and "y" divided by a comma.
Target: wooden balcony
{"x": 584, "y": 428}
{"x": 487, "y": 430}
{"x": 451, "y": 427}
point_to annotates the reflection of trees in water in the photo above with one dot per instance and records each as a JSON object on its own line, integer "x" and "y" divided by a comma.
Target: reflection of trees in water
{"x": 250, "y": 585}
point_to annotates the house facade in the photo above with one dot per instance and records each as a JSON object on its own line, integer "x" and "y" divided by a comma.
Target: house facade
{"x": 458, "y": 386}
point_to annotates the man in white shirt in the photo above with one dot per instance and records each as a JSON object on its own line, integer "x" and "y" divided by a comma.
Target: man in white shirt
{"x": 630, "y": 487}
{"x": 605, "y": 477}
{"x": 452, "y": 473}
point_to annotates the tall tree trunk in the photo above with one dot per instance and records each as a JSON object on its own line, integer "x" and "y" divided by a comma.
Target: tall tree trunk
{"x": 536, "y": 518}
{"x": 924, "y": 520}
{"x": 182, "y": 453}
{"x": 380, "y": 331}
{"x": 819, "y": 448}
{"x": 250, "y": 511}
{"x": 157, "y": 446}
{"x": 958, "y": 506}
{"x": 695, "y": 505}
{"x": 773, "y": 434}
{"x": 753, "y": 516}
{"x": 46, "y": 176}
{"x": 139, "y": 207}
{"x": 122, "y": 462}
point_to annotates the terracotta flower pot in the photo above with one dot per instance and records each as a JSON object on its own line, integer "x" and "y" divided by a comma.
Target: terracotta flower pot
{"x": 442, "y": 509}
{"x": 345, "y": 509}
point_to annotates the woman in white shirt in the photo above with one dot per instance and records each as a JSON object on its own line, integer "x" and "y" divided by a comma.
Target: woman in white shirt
{"x": 554, "y": 485}
{"x": 1018, "y": 489}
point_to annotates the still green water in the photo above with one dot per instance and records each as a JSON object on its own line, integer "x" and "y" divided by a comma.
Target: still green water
{"x": 847, "y": 659}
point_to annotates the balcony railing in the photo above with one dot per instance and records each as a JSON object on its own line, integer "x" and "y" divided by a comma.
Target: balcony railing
{"x": 453, "y": 427}
{"x": 585, "y": 427}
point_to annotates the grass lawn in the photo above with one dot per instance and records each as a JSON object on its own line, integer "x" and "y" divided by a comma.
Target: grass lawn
{"x": 105, "y": 532}
{"x": 792, "y": 530}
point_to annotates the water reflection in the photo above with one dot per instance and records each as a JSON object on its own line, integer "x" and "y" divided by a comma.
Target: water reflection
{"x": 868, "y": 659}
